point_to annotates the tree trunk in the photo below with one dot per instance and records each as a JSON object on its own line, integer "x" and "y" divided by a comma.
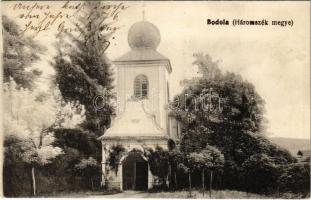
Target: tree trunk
{"x": 203, "y": 181}
{"x": 92, "y": 184}
{"x": 210, "y": 185}
{"x": 169, "y": 177}
{"x": 33, "y": 181}
{"x": 189, "y": 184}
{"x": 175, "y": 176}
{"x": 221, "y": 182}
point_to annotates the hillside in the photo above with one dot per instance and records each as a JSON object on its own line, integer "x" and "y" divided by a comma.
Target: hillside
{"x": 291, "y": 144}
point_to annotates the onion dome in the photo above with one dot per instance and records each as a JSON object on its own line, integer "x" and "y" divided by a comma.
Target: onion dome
{"x": 144, "y": 35}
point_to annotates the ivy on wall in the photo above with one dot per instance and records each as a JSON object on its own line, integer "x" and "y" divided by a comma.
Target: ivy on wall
{"x": 115, "y": 154}
{"x": 158, "y": 161}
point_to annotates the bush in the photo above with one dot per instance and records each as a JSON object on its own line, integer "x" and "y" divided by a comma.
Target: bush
{"x": 158, "y": 161}
{"x": 259, "y": 173}
{"x": 295, "y": 178}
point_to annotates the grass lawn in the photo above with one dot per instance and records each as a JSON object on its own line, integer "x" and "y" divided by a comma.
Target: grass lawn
{"x": 221, "y": 194}
{"x": 216, "y": 194}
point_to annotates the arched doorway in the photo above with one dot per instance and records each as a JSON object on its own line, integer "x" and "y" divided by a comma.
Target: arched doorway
{"x": 134, "y": 172}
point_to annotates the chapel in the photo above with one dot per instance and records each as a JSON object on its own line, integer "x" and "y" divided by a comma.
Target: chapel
{"x": 142, "y": 117}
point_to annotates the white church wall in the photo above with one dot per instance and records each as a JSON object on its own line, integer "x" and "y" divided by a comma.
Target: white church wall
{"x": 157, "y": 94}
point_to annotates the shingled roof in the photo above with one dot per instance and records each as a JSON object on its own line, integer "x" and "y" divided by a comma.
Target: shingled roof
{"x": 143, "y": 55}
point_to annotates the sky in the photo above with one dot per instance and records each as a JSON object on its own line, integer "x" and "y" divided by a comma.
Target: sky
{"x": 276, "y": 59}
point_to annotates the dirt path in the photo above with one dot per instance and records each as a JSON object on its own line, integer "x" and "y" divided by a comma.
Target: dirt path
{"x": 125, "y": 194}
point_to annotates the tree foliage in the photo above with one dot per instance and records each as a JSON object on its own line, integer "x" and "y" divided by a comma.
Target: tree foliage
{"x": 241, "y": 105}
{"x": 29, "y": 138}
{"x": 209, "y": 158}
{"x": 158, "y": 160}
{"x": 48, "y": 112}
{"x": 225, "y": 111}
{"x": 295, "y": 178}
{"x": 89, "y": 169}
{"x": 83, "y": 70}
{"x": 84, "y": 74}
{"x": 263, "y": 168}
{"x": 19, "y": 53}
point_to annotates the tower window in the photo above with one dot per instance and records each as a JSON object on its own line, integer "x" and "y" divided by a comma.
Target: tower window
{"x": 141, "y": 87}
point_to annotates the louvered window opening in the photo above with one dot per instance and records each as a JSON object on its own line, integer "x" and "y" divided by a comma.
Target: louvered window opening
{"x": 141, "y": 87}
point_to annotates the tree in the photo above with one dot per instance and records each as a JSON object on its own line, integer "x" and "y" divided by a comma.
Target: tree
{"x": 225, "y": 111}
{"x": 83, "y": 72}
{"x": 299, "y": 153}
{"x": 259, "y": 172}
{"x": 219, "y": 99}
{"x": 19, "y": 53}
{"x": 295, "y": 178}
{"x": 186, "y": 169}
{"x": 89, "y": 169}
{"x": 33, "y": 134}
{"x": 210, "y": 159}
{"x": 175, "y": 158}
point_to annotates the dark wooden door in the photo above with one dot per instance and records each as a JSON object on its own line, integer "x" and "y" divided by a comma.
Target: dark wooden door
{"x": 128, "y": 171}
{"x": 141, "y": 178}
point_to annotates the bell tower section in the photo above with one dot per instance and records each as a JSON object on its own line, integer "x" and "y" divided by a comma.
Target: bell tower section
{"x": 143, "y": 73}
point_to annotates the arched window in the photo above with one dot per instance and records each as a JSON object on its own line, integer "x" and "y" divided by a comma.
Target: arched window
{"x": 141, "y": 86}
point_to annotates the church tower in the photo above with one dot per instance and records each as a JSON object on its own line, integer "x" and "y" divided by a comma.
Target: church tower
{"x": 143, "y": 72}
{"x": 142, "y": 120}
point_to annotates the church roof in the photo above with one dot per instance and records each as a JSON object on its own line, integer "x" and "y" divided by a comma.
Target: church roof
{"x": 138, "y": 55}
{"x": 134, "y": 122}
{"x": 142, "y": 54}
